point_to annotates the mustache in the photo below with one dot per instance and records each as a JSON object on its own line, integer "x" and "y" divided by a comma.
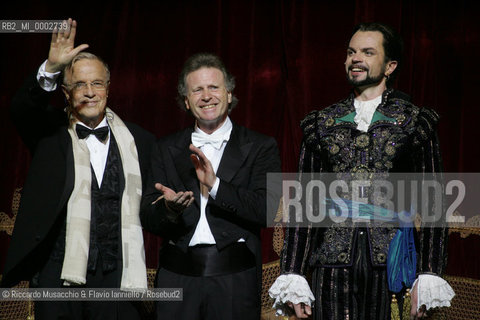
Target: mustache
{"x": 357, "y": 66}
{"x": 87, "y": 101}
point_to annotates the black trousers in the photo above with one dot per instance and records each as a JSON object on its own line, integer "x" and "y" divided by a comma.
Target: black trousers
{"x": 359, "y": 292}
{"x": 231, "y": 296}
{"x": 49, "y": 277}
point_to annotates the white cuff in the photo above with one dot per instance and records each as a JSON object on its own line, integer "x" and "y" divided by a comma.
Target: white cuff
{"x": 290, "y": 288}
{"x": 433, "y": 291}
{"x": 213, "y": 192}
{"x": 47, "y": 80}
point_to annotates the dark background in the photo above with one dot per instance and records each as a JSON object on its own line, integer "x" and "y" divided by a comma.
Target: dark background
{"x": 287, "y": 57}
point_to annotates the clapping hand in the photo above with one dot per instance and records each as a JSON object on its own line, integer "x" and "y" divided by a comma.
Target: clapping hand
{"x": 203, "y": 167}
{"x": 175, "y": 201}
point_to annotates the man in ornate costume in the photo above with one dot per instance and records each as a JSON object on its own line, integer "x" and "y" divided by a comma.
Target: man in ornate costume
{"x": 375, "y": 130}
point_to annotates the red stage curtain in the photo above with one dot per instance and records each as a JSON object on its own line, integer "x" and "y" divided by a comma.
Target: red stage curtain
{"x": 287, "y": 57}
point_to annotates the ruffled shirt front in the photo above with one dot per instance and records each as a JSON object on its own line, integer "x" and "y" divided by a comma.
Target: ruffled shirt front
{"x": 364, "y": 112}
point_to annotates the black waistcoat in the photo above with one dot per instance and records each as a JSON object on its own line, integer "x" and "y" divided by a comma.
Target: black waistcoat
{"x": 105, "y": 216}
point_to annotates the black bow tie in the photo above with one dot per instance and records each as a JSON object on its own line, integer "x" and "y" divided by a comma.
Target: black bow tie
{"x": 100, "y": 133}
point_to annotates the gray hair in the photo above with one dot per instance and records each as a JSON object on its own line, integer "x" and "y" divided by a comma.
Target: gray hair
{"x": 82, "y": 56}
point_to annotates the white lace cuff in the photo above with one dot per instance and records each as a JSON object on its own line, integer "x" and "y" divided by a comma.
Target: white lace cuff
{"x": 290, "y": 288}
{"x": 433, "y": 291}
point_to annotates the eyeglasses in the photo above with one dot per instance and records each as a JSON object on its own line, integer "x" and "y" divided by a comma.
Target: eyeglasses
{"x": 96, "y": 85}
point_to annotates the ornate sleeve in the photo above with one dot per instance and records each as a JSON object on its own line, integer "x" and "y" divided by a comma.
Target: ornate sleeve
{"x": 298, "y": 240}
{"x": 291, "y": 285}
{"x": 433, "y": 237}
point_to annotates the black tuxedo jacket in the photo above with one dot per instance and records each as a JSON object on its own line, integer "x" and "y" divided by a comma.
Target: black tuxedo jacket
{"x": 50, "y": 179}
{"x": 240, "y": 207}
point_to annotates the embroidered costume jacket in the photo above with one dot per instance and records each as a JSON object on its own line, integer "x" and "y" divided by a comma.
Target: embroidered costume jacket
{"x": 401, "y": 138}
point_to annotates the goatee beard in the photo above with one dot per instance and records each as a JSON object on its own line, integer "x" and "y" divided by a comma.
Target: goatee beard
{"x": 365, "y": 82}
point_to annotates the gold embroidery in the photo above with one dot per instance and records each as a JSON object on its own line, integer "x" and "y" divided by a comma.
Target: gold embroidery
{"x": 362, "y": 141}
{"x": 334, "y": 149}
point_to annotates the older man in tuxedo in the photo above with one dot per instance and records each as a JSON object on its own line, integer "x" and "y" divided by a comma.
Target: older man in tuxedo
{"x": 78, "y": 223}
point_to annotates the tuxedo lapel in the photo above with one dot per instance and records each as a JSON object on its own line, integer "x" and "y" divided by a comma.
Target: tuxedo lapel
{"x": 180, "y": 154}
{"x": 236, "y": 151}
{"x": 65, "y": 142}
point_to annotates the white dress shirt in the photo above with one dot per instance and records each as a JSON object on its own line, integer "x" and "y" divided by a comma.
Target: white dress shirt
{"x": 203, "y": 234}
{"x": 98, "y": 151}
